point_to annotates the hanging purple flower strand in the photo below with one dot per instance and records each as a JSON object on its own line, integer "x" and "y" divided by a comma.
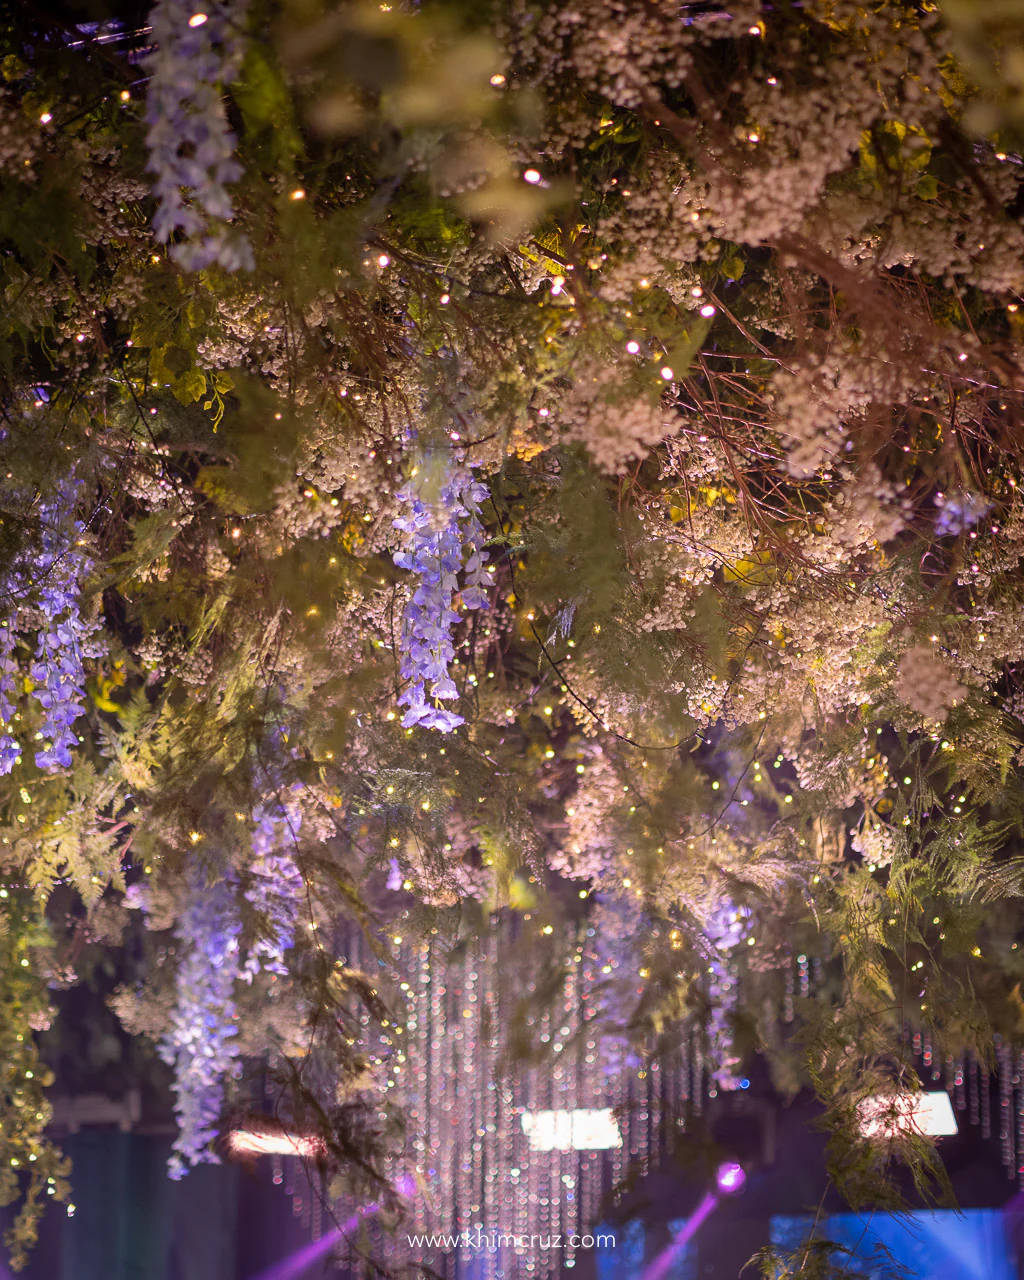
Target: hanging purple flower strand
{"x": 445, "y": 536}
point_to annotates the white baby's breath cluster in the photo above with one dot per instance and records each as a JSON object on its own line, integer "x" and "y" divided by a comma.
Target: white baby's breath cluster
{"x": 927, "y": 683}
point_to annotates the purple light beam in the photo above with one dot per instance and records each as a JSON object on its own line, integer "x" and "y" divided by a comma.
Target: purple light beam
{"x": 662, "y": 1264}
{"x": 292, "y": 1267}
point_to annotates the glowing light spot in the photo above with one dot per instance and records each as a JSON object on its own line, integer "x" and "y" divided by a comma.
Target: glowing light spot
{"x": 883, "y": 1116}
{"x": 583, "y": 1129}
{"x": 197, "y": 19}
{"x": 532, "y": 176}
{"x": 258, "y": 1142}
{"x": 730, "y": 1178}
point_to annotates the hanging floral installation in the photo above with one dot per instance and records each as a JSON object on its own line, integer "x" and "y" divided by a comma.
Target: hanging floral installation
{"x": 510, "y": 587}
{"x": 445, "y": 536}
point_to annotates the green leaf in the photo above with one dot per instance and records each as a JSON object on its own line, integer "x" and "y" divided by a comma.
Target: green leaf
{"x": 189, "y": 387}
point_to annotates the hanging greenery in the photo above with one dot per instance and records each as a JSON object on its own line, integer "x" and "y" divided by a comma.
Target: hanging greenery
{"x": 513, "y": 467}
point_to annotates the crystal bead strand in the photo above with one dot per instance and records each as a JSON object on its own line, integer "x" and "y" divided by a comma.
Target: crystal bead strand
{"x": 986, "y": 1102}
{"x": 535, "y": 1102}
{"x": 434, "y": 1049}
{"x": 697, "y": 1059}
{"x": 474, "y": 1085}
{"x": 958, "y": 1085}
{"x": 318, "y": 1212}
{"x": 522, "y": 1095}
{"x": 419, "y": 1072}
{"x": 656, "y": 1084}
{"x": 1005, "y": 1099}
{"x": 491, "y": 1210}
{"x": 445, "y": 1085}
{"x": 546, "y": 1167}
{"x": 462, "y": 1108}
{"x": 804, "y": 974}
{"x": 1020, "y": 1120}
{"x": 643, "y": 1119}
{"x": 618, "y": 1100}
{"x": 568, "y": 1189}
{"x": 972, "y": 1080}
{"x": 683, "y": 1078}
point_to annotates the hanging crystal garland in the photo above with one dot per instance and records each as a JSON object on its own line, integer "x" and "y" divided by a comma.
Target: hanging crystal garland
{"x": 511, "y": 1145}
{"x": 968, "y": 1082}
{"x": 506, "y": 1154}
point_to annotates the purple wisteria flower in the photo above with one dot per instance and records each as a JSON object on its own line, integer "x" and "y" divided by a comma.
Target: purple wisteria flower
{"x": 201, "y": 1042}
{"x": 276, "y": 891}
{"x": 444, "y": 535}
{"x": 958, "y": 511}
{"x": 44, "y": 588}
{"x": 10, "y": 750}
{"x": 191, "y": 145}
{"x": 724, "y": 929}
{"x": 65, "y": 636}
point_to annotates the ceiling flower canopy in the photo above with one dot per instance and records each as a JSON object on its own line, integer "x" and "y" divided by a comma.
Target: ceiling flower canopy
{"x": 511, "y": 574}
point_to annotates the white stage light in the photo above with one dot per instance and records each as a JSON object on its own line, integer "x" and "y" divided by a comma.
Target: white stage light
{"x": 885, "y": 1115}
{"x": 580, "y": 1130}
{"x": 267, "y": 1142}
